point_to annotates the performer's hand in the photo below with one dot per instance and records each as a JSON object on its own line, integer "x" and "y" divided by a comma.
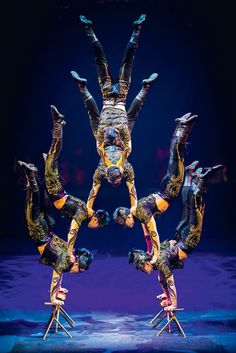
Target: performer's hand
{"x": 165, "y": 303}
{"x": 90, "y": 211}
{"x": 57, "y": 301}
{"x": 133, "y": 209}
{"x": 72, "y": 257}
{"x": 61, "y": 295}
{"x": 170, "y": 308}
{"x": 64, "y": 290}
{"x": 161, "y": 296}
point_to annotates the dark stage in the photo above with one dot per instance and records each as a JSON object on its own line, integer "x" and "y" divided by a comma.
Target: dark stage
{"x": 113, "y": 303}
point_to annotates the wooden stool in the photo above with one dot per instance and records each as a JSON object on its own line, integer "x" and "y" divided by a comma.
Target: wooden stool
{"x": 56, "y": 311}
{"x": 170, "y": 316}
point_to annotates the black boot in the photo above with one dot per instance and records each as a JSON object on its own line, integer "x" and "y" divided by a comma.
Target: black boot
{"x": 201, "y": 187}
{"x": 137, "y": 30}
{"x": 85, "y": 21}
{"x": 81, "y": 83}
{"x": 189, "y": 170}
{"x": 30, "y": 172}
{"x": 88, "y": 29}
{"x": 58, "y": 122}
{"x": 146, "y": 85}
{"x": 184, "y": 126}
{"x": 137, "y": 24}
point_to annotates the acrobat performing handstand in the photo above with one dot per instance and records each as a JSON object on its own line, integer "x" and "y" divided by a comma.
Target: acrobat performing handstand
{"x": 186, "y": 239}
{"x": 69, "y": 206}
{"x": 53, "y": 250}
{"x": 157, "y": 203}
{"x": 113, "y": 126}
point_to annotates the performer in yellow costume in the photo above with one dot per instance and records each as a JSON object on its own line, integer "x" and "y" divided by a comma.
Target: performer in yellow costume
{"x": 186, "y": 239}
{"x": 158, "y": 202}
{"x": 69, "y": 206}
{"x": 112, "y": 127}
{"x": 53, "y": 250}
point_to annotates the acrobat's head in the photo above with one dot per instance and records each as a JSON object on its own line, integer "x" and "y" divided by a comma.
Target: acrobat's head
{"x": 99, "y": 219}
{"x": 124, "y": 217}
{"x": 83, "y": 259}
{"x": 114, "y": 175}
{"x": 141, "y": 260}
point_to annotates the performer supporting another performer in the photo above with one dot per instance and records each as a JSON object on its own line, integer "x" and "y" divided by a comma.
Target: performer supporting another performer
{"x": 188, "y": 235}
{"x": 53, "y": 250}
{"x": 158, "y": 202}
{"x": 112, "y": 127}
{"x": 69, "y": 206}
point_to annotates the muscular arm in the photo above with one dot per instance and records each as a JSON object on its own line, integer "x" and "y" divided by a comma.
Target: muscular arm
{"x": 72, "y": 235}
{"x": 147, "y": 238}
{"x": 132, "y": 193}
{"x": 166, "y": 279}
{"x": 152, "y": 230}
{"x": 55, "y": 286}
{"x": 170, "y": 283}
{"x": 93, "y": 194}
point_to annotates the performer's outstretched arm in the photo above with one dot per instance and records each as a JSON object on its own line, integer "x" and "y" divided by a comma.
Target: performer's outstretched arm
{"x": 147, "y": 238}
{"x": 132, "y": 194}
{"x": 167, "y": 282}
{"x": 92, "y": 195}
{"x": 71, "y": 237}
{"x": 172, "y": 293}
{"x": 152, "y": 230}
{"x": 55, "y": 287}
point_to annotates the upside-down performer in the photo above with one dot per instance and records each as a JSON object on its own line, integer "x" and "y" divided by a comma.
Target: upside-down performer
{"x": 53, "y": 250}
{"x": 186, "y": 239}
{"x": 69, "y": 206}
{"x": 157, "y": 203}
{"x": 112, "y": 127}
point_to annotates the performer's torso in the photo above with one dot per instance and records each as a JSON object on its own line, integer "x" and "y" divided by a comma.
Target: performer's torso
{"x": 55, "y": 254}
{"x": 146, "y": 208}
{"x": 75, "y": 208}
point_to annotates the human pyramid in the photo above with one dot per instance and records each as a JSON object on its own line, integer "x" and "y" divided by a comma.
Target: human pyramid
{"x": 112, "y": 129}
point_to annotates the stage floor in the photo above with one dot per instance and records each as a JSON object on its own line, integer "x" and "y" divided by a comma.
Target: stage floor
{"x": 112, "y": 304}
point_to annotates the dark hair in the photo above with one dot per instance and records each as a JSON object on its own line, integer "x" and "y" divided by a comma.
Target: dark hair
{"x": 83, "y": 257}
{"x": 113, "y": 173}
{"x": 138, "y": 258}
{"x": 120, "y": 214}
{"x": 103, "y": 217}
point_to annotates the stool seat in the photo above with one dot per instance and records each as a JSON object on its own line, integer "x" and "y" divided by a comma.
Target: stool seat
{"x": 56, "y": 311}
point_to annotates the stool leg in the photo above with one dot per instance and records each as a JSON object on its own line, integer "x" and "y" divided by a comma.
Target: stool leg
{"x": 168, "y": 319}
{"x": 48, "y": 326}
{"x": 57, "y": 316}
{"x": 179, "y": 326}
{"x": 159, "y": 321}
{"x": 68, "y": 317}
{"x": 63, "y": 328}
{"x": 155, "y": 317}
{"x": 163, "y": 328}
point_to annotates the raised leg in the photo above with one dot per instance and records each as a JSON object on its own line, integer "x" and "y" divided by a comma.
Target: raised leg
{"x": 138, "y": 101}
{"x": 52, "y": 178}
{"x": 172, "y": 182}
